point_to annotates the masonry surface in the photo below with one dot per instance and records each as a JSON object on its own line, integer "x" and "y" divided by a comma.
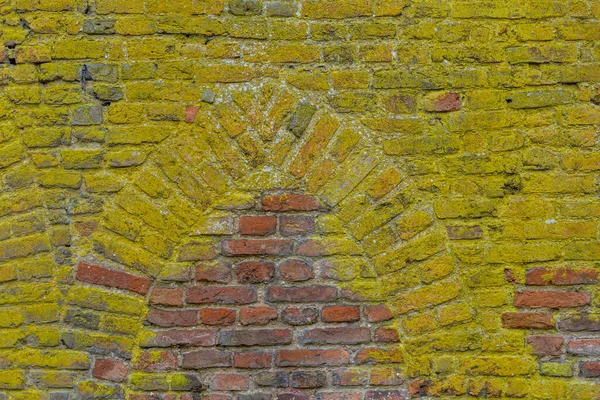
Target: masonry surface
{"x": 294, "y": 200}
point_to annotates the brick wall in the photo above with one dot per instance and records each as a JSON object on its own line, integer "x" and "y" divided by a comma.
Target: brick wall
{"x": 299, "y": 199}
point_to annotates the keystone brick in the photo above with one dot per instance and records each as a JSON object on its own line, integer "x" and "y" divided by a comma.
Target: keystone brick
{"x": 253, "y": 247}
{"x": 290, "y": 202}
{"x": 551, "y": 299}
{"x": 257, "y": 225}
{"x": 107, "y": 277}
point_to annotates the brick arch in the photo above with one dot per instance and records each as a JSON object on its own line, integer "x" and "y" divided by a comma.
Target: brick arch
{"x": 379, "y": 261}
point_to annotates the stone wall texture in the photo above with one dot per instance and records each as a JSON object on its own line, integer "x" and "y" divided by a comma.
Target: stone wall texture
{"x": 299, "y": 199}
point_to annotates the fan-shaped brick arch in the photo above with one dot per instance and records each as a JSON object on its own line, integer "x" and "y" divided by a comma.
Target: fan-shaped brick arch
{"x": 266, "y": 252}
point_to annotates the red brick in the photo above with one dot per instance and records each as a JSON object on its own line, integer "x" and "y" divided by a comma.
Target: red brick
{"x": 296, "y": 225}
{"x": 110, "y": 369}
{"x": 340, "y": 314}
{"x": 182, "y": 337}
{"x": 522, "y": 320}
{"x": 259, "y": 337}
{"x": 206, "y": 359}
{"x": 290, "y": 202}
{"x": 213, "y": 273}
{"x": 546, "y": 345}
{"x": 253, "y": 360}
{"x": 243, "y": 247}
{"x": 378, "y": 355}
{"x": 279, "y": 379}
{"x": 157, "y": 361}
{"x": 221, "y": 295}
{"x": 302, "y": 294}
{"x": 173, "y": 318}
{"x": 309, "y": 379}
{"x": 589, "y": 369}
{"x": 217, "y": 316}
{"x": 339, "y": 396}
{"x": 190, "y": 113}
{"x": 296, "y": 270}
{"x": 299, "y": 316}
{"x": 449, "y": 101}
{"x": 563, "y": 276}
{"x": 383, "y": 395}
{"x": 336, "y": 336}
{"x": 551, "y": 299}
{"x": 209, "y": 397}
{"x": 349, "y": 377}
{"x": 167, "y": 297}
{"x": 117, "y": 279}
{"x": 257, "y": 225}
{"x": 311, "y": 248}
{"x": 584, "y": 347}
{"x": 293, "y": 396}
{"x": 579, "y": 323}
{"x": 255, "y": 272}
{"x": 234, "y": 382}
{"x": 387, "y": 334}
{"x": 257, "y": 315}
{"x": 378, "y": 313}
{"x": 311, "y": 358}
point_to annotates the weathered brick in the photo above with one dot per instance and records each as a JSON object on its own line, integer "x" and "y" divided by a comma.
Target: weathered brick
{"x": 167, "y": 297}
{"x": 296, "y": 270}
{"x": 528, "y": 320}
{"x": 589, "y": 369}
{"x": 233, "y": 382}
{"x": 311, "y": 357}
{"x": 111, "y": 369}
{"x": 335, "y": 336}
{"x": 309, "y": 379}
{"x": 106, "y": 277}
{"x": 181, "y": 337}
{"x": 378, "y": 313}
{"x": 173, "y": 318}
{"x": 546, "y": 345}
{"x": 213, "y": 273}
{"x": 552, "y": 299}
{"x": 584, "y": 347}
{"x": 340, "y": 314}
{"x": 563, "y": 276}
{"x": 257, "y": 360}
{"x": 257, "y": 315}
{"x": 206, "y": 359}
{"x": 245, "y": 247}
{"x": 217, "y": 316}
{"x": 257, "y": 225}
{"x": 220, "y": 295}
{"x": 255, "y": 271}
{"x": 301, "y": 294}
{"x": 582, "y": 322}
{"x": 299, "y": 316}
{"x": 260, "y": 337}
{"x": 296, "y": 225}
